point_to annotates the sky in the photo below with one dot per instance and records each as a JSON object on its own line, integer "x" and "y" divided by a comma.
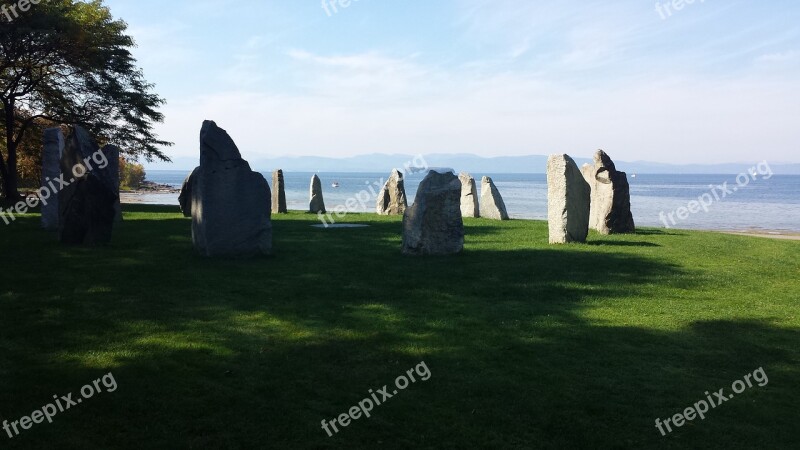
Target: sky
{"x": 709, "y": 81}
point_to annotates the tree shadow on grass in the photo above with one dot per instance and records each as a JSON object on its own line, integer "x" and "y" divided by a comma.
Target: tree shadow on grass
{"x": 658, "y": 232}
{"x": 623, "y": 243}
{"x": 160, "y": 209}
{"x": 255, "y": 353}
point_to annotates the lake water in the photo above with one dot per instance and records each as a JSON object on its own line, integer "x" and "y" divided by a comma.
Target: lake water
{"x": 762, "y": 204}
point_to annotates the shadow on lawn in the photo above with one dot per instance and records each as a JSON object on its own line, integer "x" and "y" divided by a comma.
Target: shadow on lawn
{"x": 657, "y": 232}
{"x": 254, "y": 353}
{"x": 623, "y": 243}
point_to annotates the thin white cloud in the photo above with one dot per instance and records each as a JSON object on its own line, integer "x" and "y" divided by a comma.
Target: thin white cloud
{"x": 163, "y": 44}
{"x": 546, "y": 78}
{"x": 662, "y": 120}
{"x": 779, "y": 57}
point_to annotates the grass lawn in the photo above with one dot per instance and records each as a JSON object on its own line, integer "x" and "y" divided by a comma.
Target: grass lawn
{"x": 528, "y": 345}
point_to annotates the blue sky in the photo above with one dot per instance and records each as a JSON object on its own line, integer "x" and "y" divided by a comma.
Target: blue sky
{"x": 715, "y": 81}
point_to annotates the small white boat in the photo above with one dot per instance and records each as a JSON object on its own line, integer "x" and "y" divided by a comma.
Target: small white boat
{"x": 633, "y": 175}
{"x": 335, "y": 184}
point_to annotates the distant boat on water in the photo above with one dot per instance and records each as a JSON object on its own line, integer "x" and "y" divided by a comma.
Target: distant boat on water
{"x": 335, "y": 184}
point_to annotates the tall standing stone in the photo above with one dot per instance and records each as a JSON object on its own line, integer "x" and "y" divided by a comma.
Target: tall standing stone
{"x": 278, "y": 193}
{"x": 185, "y": 197}
{"x": 87, "y": 204}
{"x": 112, "y": 155}
{"x": 433, "y": 224}
{"x": 52, "y": 149}
{"x": 492, "y": 204}
{"x": 316, "y": 204}
{"x": 568, "y": 201}
{"x": 611, "y": 196}
{"x": 469, "y": 196}
{"x": 392, "y": 198}
{"x": 588, "y": 172}
{"x": 590, "y": 175}
{"x": 230, "y": 203}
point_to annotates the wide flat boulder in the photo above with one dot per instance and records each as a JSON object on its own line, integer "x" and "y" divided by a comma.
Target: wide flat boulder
{"x": 433, "y": 224}
{"x": 230, "y": 203}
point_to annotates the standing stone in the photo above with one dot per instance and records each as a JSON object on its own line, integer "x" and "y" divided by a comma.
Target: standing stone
{"x": 230, "y": 203}
{"x": 53, "y": 148}
{"x": 568, "y": 198}
{"x": 278, "y": 193}
{"x": 185, "y": 197}
{"x": 433, "y": 224}
{"x": 611, "y": 196}
{"x": 112, "y": 155}
{"x": 87, "y": 204}
{"x": 317, "y": 203}
{"x": 469, "y": 196}
{"x": 392, "y": 198}
{"x": 492, "y": 204}
{"x": 590, "y": 175}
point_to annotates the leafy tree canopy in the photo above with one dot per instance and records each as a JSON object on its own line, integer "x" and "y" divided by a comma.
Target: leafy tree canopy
{"x": 67, "y": 61}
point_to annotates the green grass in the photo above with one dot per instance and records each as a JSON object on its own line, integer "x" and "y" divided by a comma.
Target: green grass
{"x": 529, "y": 345}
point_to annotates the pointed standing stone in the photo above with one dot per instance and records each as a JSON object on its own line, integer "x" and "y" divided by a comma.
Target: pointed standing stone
{"x": 230, "y": 203}
{"x": 87, "y": 204}
{"x": 568, "y": 198}
{"x": 469, "y": 196}
{"x": 52, "y": 150}
{"x": 492, "y": 204}
{"x": 392, "y": 198}
{"x": 316, "y": 204}
{"x": 433, "y": 224}
{"x": 278, "y": 193}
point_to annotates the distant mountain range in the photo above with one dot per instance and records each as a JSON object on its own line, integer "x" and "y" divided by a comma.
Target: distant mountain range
{"x": 469, "y": 163}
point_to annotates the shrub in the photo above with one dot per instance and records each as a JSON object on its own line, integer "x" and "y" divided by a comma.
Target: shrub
{"x": 131, "y": 174}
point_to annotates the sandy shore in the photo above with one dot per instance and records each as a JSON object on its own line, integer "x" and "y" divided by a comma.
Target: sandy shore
{"x": 785, "y": 235}
{"x": 159, "y": 196}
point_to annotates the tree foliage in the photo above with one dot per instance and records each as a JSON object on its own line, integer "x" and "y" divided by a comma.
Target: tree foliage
{"x": 131, "y": 174}
{"x": 67, "y": 61}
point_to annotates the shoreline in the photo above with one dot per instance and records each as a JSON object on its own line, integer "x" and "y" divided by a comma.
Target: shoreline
{"x": 133, "y": 198}
{"x": 767, "y": 234}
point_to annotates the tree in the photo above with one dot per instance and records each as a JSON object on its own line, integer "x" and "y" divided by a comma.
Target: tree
{"x": 67, "y": 61}
{"x": 131, "y": 174}
{"x": 29, "y": 153}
